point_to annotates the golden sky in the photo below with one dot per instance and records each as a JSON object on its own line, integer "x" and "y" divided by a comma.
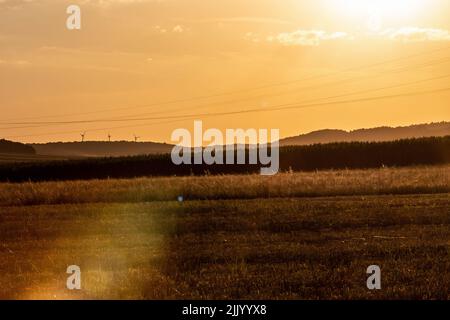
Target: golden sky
{"x": 156, "y": 60}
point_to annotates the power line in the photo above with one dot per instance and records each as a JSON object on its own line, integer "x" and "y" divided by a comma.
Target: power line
{"x": 265, "y": 110}
{"x": 273, "y": 108}
{"x": 338, "y": 82}
{"x": 287, "y": 107}
{"x": 314, "y": 77}
{"x": 93, "y": 130}
{"x": 208, "y": 114}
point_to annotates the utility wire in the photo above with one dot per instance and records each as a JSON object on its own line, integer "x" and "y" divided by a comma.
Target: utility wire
{"x": 314, "y": 77}
{"x": 416, "y": 93}
{"x": 209, "y": 114}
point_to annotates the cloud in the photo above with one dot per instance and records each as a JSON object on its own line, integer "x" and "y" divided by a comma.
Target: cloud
{"x": 160, "y": 29}
{"x": 316, "y": 37}
{"x": 18, "y": 63}
{"x": 414, "y": 34}
{"x": 178, "y": 29}
{"x": 252, "y": 20}
{"x": 307, "y": 37}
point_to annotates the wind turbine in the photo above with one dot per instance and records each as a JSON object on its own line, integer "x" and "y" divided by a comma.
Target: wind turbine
{"x": 136, "y": 138}
{"x": 109, "y": 137}
{"x": 83, "y": 135}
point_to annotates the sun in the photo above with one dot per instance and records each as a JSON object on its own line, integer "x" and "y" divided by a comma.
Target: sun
{"x": 378, "y": 11}
{"x": 388, "y": 7}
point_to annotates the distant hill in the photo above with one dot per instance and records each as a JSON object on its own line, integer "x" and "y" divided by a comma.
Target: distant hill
{"x": 101, "y": 148}
{"x": 10, "y": 147}
{"x": 127, "y": 148}
{"x": 370, "y": 135}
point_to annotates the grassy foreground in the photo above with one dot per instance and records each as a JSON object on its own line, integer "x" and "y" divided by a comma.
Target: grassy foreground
{"x": 408, "y": 180}
{"x": 282, "y": 244}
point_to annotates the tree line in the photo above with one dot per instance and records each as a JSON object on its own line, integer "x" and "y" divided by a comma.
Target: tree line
{"x": 345, "y": 155}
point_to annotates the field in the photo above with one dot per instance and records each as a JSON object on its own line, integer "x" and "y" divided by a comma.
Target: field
{"x": 11, "y": 158}
{"x": 291, "y": 236}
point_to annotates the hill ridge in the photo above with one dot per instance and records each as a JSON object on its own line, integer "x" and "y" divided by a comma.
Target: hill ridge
{"x": 376, "y": 134}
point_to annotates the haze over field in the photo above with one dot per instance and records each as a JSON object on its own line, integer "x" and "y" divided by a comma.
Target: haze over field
{"x": 129, "y": 148}
{"x": 124, "y": 148}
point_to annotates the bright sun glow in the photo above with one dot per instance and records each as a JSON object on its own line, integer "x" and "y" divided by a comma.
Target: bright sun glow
{"x": 379, "y": 11}
{"x": 387, "y": 7}
{"x": 391, "y": 8}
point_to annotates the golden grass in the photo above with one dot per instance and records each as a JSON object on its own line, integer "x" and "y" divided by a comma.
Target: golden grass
{"x": 305, "y": 184}
{"x": 291, "y": 236}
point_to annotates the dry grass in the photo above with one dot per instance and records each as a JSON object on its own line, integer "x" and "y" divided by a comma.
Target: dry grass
{"x": 322, "y": 183}
{"x": 244, "y": 249}
{"x": 275, "y": 246}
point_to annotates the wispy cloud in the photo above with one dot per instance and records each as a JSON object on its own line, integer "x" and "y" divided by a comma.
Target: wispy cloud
{"x": 251, "y": 20}
{"x": 14, "y": 62}
{"x": 175, "y": 29}
{"x": 414, "y": 34}
{"x": 178, "y": 29}
{"x": 304, "y": 37}
{"x": 307, "y": 37}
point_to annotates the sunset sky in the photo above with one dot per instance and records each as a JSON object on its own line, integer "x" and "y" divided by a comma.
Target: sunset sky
{"x": 155, "y": 61}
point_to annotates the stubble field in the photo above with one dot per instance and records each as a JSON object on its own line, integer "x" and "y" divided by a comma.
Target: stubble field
{"x": 292, "y": 236}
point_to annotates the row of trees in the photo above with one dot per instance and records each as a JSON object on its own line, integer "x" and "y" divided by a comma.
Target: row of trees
{"x": 410, "y": 152}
